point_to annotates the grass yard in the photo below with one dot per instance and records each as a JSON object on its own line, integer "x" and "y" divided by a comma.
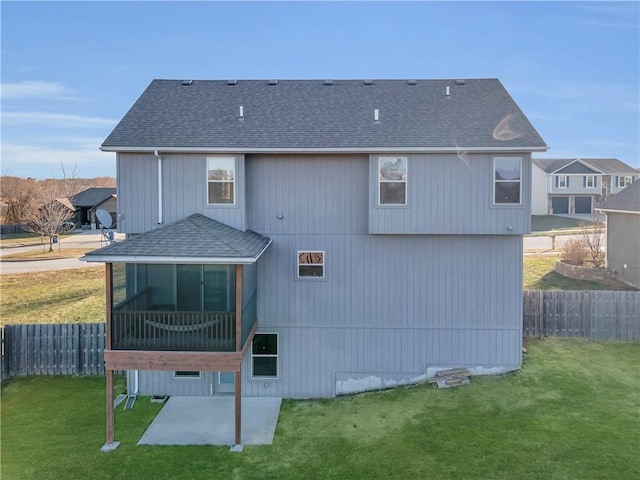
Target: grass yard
{"x": 539, "y": 274}
{"x": 59, "y": 296}
{"x": 572, "y": 412}
{"x": 555, "y": 224}
{"x": 45, "y": 254}
{"x": 25, "y": 239}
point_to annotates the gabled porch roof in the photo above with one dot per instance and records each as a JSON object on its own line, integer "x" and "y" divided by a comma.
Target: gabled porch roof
{"x": 195, "y": 239}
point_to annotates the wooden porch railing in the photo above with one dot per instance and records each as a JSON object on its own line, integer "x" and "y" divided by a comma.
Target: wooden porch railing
{"x": 173, "y": 331}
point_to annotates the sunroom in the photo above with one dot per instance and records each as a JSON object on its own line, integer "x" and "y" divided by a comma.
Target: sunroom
{"x": 182, "y": 297}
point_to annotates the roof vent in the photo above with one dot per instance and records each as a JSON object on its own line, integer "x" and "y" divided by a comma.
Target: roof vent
{"x": 411, "y": 82}
{"x": 241, "y": 113}
{"x": 368, "y": 82}
{"x": 448, "y": 91}
{"x": 460, "y": 82}
{"x": 376, "y": 115}
{"x": 187, "y": 82}
{"x": 232, "y": 82}
{"x": 328, "y": 82}
{"x": 272, "y": 82}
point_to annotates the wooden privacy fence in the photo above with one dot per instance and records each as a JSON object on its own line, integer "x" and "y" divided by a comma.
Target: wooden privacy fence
{"x": 592, "y": 314}
{"x": 53, "y": 349}
{"x": 78, "y": 349}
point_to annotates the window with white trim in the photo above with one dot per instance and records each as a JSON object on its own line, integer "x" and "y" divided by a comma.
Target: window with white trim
{"x": 264, "y": 355}
{"x": 221, "y": 180}
{"x": 561, "y": 181}
{"x": 310, "y": 264}
{"x": 392, "y": 180}
{"x": 590, "y": 181}
{"x": 507, "y": 180}
{"x": 625, "y": 181}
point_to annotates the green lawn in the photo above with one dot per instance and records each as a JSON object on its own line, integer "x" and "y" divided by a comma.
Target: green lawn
{"x": 572, "y": 412}
{"x": 554, "y": 223}
{"x": 539, "y": 274}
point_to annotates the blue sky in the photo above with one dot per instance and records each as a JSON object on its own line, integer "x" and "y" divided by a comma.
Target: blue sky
{"x": 71, "y": 70}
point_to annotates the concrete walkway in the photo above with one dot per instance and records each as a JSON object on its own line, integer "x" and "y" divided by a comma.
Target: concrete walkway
{"x": 211, "y": 421}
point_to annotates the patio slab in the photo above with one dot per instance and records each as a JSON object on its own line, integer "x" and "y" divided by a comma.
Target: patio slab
{"x": 211, "y": 421}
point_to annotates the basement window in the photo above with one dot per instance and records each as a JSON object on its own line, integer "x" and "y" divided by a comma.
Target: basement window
{"x": 221, "y": 180}
{"x": 186, "y": 374}
{"x": 264, "y": 355}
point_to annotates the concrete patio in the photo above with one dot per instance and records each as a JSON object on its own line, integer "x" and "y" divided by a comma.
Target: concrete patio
{"x": 210, "y": 421}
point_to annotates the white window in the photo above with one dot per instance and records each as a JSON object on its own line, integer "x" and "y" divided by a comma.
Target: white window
{"x": 264, "y": 355}
{"x": 392, "y": 180}
{"x": 561, "y": 181}
{"x": 625, "y": 181}
{"x": 221, "y": 180}
{"x": 590, "y": 181}
{"x": 507, "y": 180}
{"x": 310, "y": 264}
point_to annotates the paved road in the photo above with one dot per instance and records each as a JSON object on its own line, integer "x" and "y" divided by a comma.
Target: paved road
{"x": 83, "y": 239}
{"x": 90, "y": 239}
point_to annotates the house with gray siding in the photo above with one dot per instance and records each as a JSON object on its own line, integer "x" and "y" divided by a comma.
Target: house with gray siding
{"x": 623, "y": 233}
{"x": 569, "y": 186}
{"x": 311, "y": 238}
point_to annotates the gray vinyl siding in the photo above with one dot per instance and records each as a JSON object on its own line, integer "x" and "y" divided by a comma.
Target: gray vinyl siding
{"x": 184, "y": 191}
{"x": 389, "y": 305}
{"x": 623, "y": 246}
{"x": 576, "y": 186}
{"x": 154, "y": 382}
{"x": 451, "y": 194}
{"x": 577, "y": 167}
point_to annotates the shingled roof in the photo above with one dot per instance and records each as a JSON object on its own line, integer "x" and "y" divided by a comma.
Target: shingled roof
{"x": 92, "y": 196}
{"x": 608, "y": 166}
{"x": 317, "y": 115}
{"x": 628, "y": 200}
{"x": 194, "y": 239}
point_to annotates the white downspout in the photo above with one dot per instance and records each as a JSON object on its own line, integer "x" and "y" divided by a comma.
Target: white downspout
{"x": 157, "y": 155}
{"x": 135, "y": 382}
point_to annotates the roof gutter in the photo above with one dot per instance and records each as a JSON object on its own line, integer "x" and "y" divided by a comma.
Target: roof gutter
{"x": 538, "y": 148}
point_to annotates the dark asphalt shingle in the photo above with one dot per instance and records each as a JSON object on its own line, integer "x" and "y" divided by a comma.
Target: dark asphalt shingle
{"x": 92, "y": 196}
{"x": 195, "y": 236}
{"x": 608, "y": 166}
{"x": 307, "y": 114}
{"x": 627, "y": 200}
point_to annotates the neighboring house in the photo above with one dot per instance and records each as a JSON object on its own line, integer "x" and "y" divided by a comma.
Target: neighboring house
{"x": 623, "y": 233}
{"x": 309, "y": 238}
{"x": 111, "y": 206}
{"x": 85, "y": 203}
{"x": 573, "y": 185}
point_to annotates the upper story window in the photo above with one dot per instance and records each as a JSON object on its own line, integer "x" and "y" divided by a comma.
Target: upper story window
{"x": 392, "y": 180}
{"x": 562, "y": 181}
{"x": 625, "y": 181}
{"x": 507, "y": 180}
{"x": 590, "y": 181}
{"x": 310, "y": 264}
{"x": 221, "y": 180}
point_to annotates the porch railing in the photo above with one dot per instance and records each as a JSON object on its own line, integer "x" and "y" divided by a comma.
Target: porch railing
{"x": 158, "y": 330}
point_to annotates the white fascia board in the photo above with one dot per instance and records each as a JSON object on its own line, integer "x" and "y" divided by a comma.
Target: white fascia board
{"x": 610, "y": 210}
{"x": 323, "y": 150}
{"x": 168, "y": 260}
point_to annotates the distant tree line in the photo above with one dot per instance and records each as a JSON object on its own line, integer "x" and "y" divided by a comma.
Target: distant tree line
{"x": 43, "y": 207}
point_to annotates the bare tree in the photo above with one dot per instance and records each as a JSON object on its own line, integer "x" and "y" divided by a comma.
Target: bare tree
{"x": 593, "y": 238}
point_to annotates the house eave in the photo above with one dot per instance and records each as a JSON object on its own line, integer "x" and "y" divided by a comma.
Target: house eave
{"x": 169, "y": 259}
{"x": 324, "y": 150}
{"x": 612, "y": 210}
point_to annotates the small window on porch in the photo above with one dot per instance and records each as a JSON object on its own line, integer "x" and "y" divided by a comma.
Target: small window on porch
{"x": 264, "y": 355}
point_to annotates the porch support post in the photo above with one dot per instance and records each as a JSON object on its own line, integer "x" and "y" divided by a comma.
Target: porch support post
{"x": 110, "y": 444}
{"x": 238, "y": 409}
{"x": 238, "y": 308}
{"x": 237, "y": 446}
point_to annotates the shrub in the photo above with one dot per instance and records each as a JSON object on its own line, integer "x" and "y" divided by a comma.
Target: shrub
{"x": 575, "y": 252}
